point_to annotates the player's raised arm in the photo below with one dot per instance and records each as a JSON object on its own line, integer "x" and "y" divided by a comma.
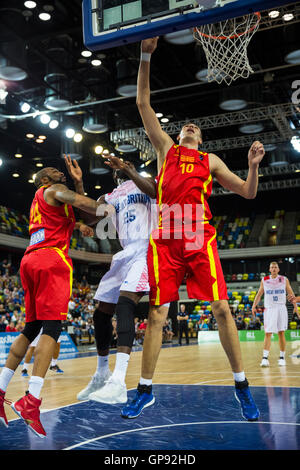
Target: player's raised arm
{"x": 146, "y": 185}
{"x": 60, "y": 193}
{"x": 234, "y": 183}
{"x": 160, "y": 140}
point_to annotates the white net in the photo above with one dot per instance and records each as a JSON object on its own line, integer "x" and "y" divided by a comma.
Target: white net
{"x": 225, "y": 45}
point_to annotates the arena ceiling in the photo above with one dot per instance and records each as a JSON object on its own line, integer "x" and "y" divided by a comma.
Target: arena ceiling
{"x": 44, "y": 49}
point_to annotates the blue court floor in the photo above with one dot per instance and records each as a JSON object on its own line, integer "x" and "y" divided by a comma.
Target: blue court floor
{"x": 184, "y": 417}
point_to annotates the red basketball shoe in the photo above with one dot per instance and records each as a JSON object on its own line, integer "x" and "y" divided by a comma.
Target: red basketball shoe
{"x": 28, "y": 409}
{"x": 3, "y": 419}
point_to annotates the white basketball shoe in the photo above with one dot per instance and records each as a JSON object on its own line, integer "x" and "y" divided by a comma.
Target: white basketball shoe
{"x": 113, "y": 392}
{"x": 265, "y": 363}
{"x": 281, "y": 362}
{"x": 98, "y": 381}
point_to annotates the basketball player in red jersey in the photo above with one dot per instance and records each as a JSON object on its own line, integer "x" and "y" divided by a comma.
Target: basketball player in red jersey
{"x": 46, "y": 275}
{"x": 185, "y": 178}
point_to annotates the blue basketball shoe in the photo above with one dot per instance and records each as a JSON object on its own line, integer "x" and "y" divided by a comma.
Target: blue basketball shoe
{"x": 143, "y": 398}
{"x": 249, "y": 410}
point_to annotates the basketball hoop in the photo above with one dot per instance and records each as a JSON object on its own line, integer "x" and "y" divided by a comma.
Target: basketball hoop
{"x": 225, "y": 45}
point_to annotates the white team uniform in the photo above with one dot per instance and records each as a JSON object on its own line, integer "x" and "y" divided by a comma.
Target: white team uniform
{"x": 275, "y": 314}
{"x": 134, "y": 220}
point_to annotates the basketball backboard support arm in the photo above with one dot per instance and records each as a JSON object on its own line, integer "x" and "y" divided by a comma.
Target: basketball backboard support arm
{"x": 108, "y": 24}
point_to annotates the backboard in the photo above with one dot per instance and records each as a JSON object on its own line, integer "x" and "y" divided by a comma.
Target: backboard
{"x": 113, "y": 23}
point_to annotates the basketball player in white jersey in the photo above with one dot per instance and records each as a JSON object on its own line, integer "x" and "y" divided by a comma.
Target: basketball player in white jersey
{"x": 122, "y": 287}
{"x": 275, "y": 289}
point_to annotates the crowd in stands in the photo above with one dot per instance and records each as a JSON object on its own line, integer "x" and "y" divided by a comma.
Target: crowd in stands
{"x": 79, "y": 322}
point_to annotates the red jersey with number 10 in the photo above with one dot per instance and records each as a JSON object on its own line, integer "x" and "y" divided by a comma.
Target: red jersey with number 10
{"x": 50, "y": 226}
{"x": 184, "y": 179}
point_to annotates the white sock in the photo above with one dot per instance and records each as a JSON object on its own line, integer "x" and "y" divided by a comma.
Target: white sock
{"x": 265, "y": 353}
{"x": 102, "y": 365}
{"x": 282, "y": 354}
{"x": 121, "y": 365}
{"x": 53, "y": 362}
{"x": 35, "y": 385}
{"x": 5, "y": 377}
{"x": 239, "y": 376}
{"x": 145, "y": 381}
{"x": 25, "y": 366}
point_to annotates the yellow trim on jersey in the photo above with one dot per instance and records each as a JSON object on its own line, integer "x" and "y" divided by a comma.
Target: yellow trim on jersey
{"x": 66, "y": 210}
{"x": 156, "y": 272}
{"x": 213, "y": 270}
{"x": 206, "y": 183}
{"x": 159, "y": 189}
{"x": 63, "y": 257}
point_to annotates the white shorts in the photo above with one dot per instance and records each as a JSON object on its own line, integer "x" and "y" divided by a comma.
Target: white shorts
{"x": 36, "y": 340}
{"x": 275, "y": 319}
{"x": 128, "y": 272}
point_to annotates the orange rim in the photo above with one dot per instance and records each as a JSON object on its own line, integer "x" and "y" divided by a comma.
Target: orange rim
{"x": 223, "y": 38}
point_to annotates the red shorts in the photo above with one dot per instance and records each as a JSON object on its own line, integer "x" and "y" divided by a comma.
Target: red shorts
{"x": 169, "y": 261}
{"x": 47, "y": 278}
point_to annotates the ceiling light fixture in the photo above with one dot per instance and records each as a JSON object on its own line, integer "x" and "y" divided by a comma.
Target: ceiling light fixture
{"x": 274, "y": 14}
{"x": 86, "y": 53}
{"x": 159, "y": 115}
{"x": 39, "y": 141}
{"x": 18, "y": 155}
{"x": 98, "y": 149}
{"x": 30, "y": 136}
{"x": 164, "y": 120}
{"x": 43, "y": 137}
{"x": 78, "y": 137}
{"x": 44, "y": 16}
{"x": 288, "y": 16}
{"x": 45, "y": 118}
{"x": 96, "y": 62}
{"x": 70, "y": 133}
{"x": 25, "y": 107}
{"x": 53, "y": 124}
{"x": 16, "y": 175}
{"x": 29, "y": 4}
{"x": 39, "y": 164}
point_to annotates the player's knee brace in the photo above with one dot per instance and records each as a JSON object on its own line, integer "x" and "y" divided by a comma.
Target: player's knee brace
{"x": 125, "y": 311}
{"x": 32, "y": 329}
{"x": 103, "y": 329}
{"x": 52, "y": 328}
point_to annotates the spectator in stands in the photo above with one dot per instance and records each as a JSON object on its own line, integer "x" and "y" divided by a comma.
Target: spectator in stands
{"x": 142, "y": 329}
{"x": 5, "y": 267}
{"x": 203, "y": 326}
{"x": 3, "y": 323}
{"x": 240, "y": 323}
{"x": 90, "y": 330}
{"x": 10, "y": 328}
{"x": 167, "y": 332}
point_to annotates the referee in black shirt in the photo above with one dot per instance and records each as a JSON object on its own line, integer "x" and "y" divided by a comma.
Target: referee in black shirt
{"x": 182, "y": 318}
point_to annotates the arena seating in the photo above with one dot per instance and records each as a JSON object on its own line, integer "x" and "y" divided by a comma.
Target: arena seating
{"x": 297, "y": 235}
{"x": 232, "y": 231}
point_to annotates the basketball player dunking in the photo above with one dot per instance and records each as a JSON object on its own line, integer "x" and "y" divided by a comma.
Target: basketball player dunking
{"x": 185, "y": 178}
{"x": 274, "y": 288}
{"x": 47, "y": 278}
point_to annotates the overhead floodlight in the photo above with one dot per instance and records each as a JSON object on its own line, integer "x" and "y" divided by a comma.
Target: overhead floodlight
{"x": 53, "y": 124}
{"x": 98, "y": 149}
{"x": 70, "y": 133}
{"x": 295, "y": 141}
{"x": 126, "y": 147}
{"x": 29, "y": 4}
{"x": 44, "y": 16}
{"x": 288, "y": 16}
{"x": 96, "y": 62}
{"x": 25, "y": 107}
{"x": 78, "y": 137}
{"x": 274, "y": 14}
{"x": 45, "y": 118}
{"x": 159, "y": 115}
{"x": 86, "y": 53}
{"x": 164, "y": 120}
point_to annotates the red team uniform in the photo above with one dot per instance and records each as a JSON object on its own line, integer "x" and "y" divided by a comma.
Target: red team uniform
{"x": 46, "y": 269}
{"x": 184, "y": 182}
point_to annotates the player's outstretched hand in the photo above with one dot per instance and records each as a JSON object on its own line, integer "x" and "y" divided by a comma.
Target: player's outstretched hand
{"x": 73, "y": 168}
{"x": 256, "y": 153}
{"x": 116, "y": 163}
{"x": 149, "y": 45}
{"x": 86, "y": 230}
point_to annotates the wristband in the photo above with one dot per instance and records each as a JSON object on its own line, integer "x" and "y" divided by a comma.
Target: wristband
{"x": 145, "y": 56}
